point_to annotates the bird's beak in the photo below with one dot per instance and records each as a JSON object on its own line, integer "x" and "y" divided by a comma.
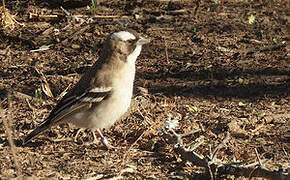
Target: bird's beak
{"x": 142, "y": 41}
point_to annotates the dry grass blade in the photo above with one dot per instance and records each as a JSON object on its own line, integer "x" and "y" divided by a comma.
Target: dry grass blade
{"x": 7, "y": 21}
{"x": 44, "y": 84}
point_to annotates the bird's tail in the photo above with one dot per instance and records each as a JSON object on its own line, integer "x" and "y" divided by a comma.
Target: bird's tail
{"x": 43, "y": 127}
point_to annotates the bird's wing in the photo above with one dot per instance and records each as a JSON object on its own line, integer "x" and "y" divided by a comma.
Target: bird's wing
{"x": 74, "y": 103}
{"x": 69, "y": 105}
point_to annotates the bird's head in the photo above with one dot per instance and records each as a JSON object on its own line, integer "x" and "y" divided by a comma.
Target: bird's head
{"x": 125, "y": 45}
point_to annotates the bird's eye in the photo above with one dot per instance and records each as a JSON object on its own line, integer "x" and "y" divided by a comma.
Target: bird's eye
{"x": 131, "y": 42}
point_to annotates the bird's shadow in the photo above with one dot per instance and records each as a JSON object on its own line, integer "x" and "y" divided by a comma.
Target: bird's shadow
{"x": 193, "y": 84}
{"x": 19, "y": 143}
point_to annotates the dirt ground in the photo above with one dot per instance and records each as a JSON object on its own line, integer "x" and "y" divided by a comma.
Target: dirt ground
{"x": 215, "y": 67}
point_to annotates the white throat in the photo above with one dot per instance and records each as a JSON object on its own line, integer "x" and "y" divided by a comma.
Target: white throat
{"x": 133, "y": 56}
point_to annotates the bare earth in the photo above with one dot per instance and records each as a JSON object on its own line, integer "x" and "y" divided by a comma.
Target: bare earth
{"x": 214, "y": 67}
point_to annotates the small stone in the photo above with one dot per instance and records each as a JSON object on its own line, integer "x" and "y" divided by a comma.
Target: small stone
{"x": 75, "y": 46}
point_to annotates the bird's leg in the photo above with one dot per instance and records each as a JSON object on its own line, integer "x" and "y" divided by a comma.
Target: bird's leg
{"x": 95, "y": 138}
{"x": 104, "y": 140}
{"x": 77, "y": 135}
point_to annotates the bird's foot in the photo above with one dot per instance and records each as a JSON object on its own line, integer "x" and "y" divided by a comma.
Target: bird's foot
{"x": 105, "y": 142}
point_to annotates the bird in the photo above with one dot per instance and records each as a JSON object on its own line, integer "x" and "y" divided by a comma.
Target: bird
{"x": 104, "y": 92}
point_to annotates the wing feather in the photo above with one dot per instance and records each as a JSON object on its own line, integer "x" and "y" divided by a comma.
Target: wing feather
{"x": 71, "y": 105}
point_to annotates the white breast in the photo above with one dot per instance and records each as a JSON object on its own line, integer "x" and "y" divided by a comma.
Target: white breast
{"x": 114, "y": 107}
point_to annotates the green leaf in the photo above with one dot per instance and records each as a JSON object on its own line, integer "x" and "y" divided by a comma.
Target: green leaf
{"x": 37, "y": 94}
{"x": 240, "y": 81}
{"x": 241, "y": 104}
{"x": 186, "y": 66}
{"x": 251, "y": 19}
{"x": 136, "y": 16}
{"x": 274, "y": 104}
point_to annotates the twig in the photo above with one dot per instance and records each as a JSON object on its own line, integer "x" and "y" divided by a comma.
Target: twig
{"x": 7, "y": 125}
{"x": 190, "y": 133}
{"x": 65, "y": 11}
{"x": 221, "y": 145}
{"x": 89, "y": 19}
{"x": 191, "y": 156}
{"x": 197, "y": 145}
{"x": 41, "y": 16}
{"x": 44, "y": 84}
{"x": 258, "y": 157}
{"x": 252, "y": 172}
{"x": 220, "y": 167}
{"x": 3, "y": 3}
{"x": 103, "y": 17}
{"x": 63, "y": 93}
{"x": 42, "y": 48}
{"x": 285, "y": 152}
{"x": 55, "y": 16}
{"x": 210, "y": 172}
{"x": 166, "y": 51}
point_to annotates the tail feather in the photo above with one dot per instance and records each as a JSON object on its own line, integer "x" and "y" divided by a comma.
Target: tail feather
{"x": 43, "y": 127}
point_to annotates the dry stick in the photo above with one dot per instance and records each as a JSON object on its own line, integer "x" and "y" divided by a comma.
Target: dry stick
{"x": 65, "y": 11}
{"x": 190, "y": 132}
{"x": 197, "y": 145}
{"x": 215, "y": 151}
{"x": 44, "y": 84}
{"x": 285, "y": 152}
{"x": 147, "y": 130}
{"x": 7, "y": 125}
{"x": 101, "y": 17}
{"x": 185, "y": 154}
{"x": 63, "y": 93}
{"x": 32, "y": 15}
{"x": 166, "y": 51}
{"x": 252, "y": 172}
{"x": 258, "y": 157}
{"x": 260, "y": 163}
{"x": 55, "y": 16}
{"x": 210, "y": 172}
{"x": 80, "y": 17}
{"x": 222, "y": 167}
{"x": 221, "y": 145}
{"x": 3, "y": 3}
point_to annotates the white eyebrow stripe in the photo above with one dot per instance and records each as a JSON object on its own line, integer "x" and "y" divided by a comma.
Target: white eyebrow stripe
{"x": 123, "y": 35}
